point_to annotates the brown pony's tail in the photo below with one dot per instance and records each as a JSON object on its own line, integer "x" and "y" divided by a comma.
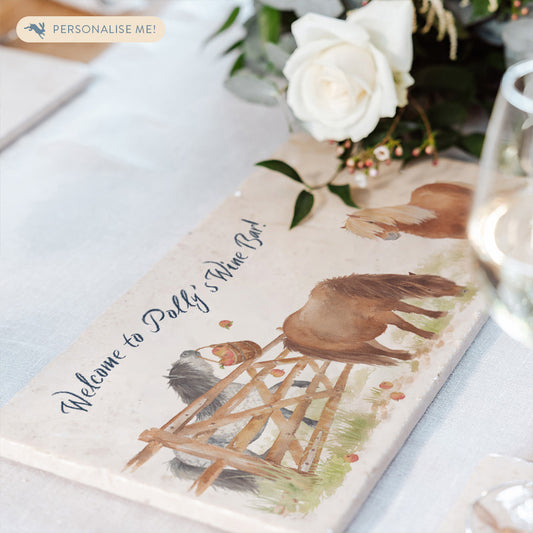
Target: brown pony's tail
{"x": 392, "y": 286}
{"x": 363, "y": 353}
{"x": 371, "y": 221}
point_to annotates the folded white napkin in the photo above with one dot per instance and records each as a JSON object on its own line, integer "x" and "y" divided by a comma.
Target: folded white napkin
{"x": 32, "y": 86}
{"x": 106, "y": 7}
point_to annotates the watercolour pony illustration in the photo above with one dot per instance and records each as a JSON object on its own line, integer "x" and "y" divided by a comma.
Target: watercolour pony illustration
{"x": 339, "y": 323}
{"x": 343, "y": 316}
{"x": 434, "y": 211}
{"x": 336, "y": 328}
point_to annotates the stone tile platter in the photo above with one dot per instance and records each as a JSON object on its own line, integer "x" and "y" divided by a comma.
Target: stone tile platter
{"x": 322, "y": 418}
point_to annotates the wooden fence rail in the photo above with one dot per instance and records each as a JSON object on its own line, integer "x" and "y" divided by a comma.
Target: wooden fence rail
{"x": 179, "y": 421}
{"x": 192, "y": 437}
{"x": 198, "y": 428}
{"x": 312, "y": 452}
{"x": 246, "y": 435}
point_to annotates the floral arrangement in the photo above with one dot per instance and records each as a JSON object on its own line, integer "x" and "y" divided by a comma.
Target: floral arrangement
{"x": 381, "y": 80}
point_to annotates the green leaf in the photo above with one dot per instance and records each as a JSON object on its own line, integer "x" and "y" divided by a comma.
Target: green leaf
{"x": 453, "y": 80}
{"x": 238, "y": 65}
{"x": 462, "y": 31}
{"x": 234, "y": 46}
{"x": 302, "y": 207}
{"x": 480, "y": 8}
{"x": 472, "y": 143}
{"x": 377, "y": 134}
{"x": 227, "y": 23}
{"x": 276, "y": 55}
{"x": 287, "y": 43}
{"x": 253, "y": 48}
{"x": 446, "y": 114}
{"x": 280, "y": 166}
{"x": 408, "y": 126}
{"x": 496, "y": 60}
{"x": 252, "y": 88}
{"x": 330, "y": 8}
{"x": 343, "y": 192}
{"x": 445, "y": 138}
{"x": 269, "y": 24}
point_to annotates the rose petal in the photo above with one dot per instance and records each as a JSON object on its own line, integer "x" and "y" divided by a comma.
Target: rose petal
{"x": 369, "y": 120}
{"x": 385, "y": 81}
{"x": 329, "y": 93}
{"x": 296, "y": 95}
{"x": 306, "y": 53}
{"x": 313, "y": 27}
{"x": 352, "y": 60}
{"x": 343, "y": 76}
{"x": 389, "y": 24}
{"x": 309, "y": 107}
{"x": 402, "y": 80}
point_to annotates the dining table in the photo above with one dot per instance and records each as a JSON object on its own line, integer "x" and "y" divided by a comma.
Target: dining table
{"x": 101, "y": 189}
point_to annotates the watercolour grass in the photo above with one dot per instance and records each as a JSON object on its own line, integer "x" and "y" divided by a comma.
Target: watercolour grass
{"x": 257, "y": 374}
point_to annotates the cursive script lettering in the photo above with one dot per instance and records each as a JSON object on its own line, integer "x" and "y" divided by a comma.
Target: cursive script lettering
{"x": 251, "y": 239}
{"x": 181, "y": 305}
{"x": 78, "y": 402}
{"x": 222, "y": 271}
{"x": 89, "y": 384}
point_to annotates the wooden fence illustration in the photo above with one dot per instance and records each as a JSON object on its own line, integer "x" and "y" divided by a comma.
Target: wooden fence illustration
{"x": 183, "y": 434}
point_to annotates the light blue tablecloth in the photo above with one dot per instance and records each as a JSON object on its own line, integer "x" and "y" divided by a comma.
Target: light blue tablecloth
{"x": 99, "y": 192}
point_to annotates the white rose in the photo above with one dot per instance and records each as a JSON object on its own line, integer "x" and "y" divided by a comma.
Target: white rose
{"x": 347, "y": 74}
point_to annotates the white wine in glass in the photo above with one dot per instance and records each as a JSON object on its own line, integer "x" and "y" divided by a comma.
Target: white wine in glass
{"x": 501, "y": 222}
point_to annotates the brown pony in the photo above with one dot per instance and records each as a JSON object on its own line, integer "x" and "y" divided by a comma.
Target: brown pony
{"x": 435, "y": 211}
{"x": 343, "y": 316}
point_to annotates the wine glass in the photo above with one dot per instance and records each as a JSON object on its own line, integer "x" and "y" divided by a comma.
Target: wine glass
{"x": 500, "y": 228}
{"x": 507, "y": 508}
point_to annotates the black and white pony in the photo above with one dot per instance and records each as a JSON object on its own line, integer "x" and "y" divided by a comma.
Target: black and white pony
{"x": 191, "y": 377}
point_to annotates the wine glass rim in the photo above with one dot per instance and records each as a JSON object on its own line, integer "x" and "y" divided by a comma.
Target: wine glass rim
{"x": 500, "y": 487}
{"x": 506, "y": 485}
{"x": 511, "y": 93}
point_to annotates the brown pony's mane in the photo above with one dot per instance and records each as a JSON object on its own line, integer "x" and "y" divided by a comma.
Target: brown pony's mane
{"x": 392, "y": 286}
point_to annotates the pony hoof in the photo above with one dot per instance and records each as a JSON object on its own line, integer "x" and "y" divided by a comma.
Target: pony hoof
{"x": 391, "y": 236}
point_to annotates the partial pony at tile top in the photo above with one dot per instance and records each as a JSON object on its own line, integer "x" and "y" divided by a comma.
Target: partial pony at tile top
{"x": 381, "y": 80}
{"x": 434, "y": 211}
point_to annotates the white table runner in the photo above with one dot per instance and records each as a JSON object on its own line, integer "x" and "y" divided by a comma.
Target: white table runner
{"x": 81, "y": 222}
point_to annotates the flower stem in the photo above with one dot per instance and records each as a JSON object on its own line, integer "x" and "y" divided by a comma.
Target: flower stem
{"x": 431, "y": 138}
{"x": 424, "y": 118}
{"x": 393, "y": 127}
{"x": 340, "y": 168}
